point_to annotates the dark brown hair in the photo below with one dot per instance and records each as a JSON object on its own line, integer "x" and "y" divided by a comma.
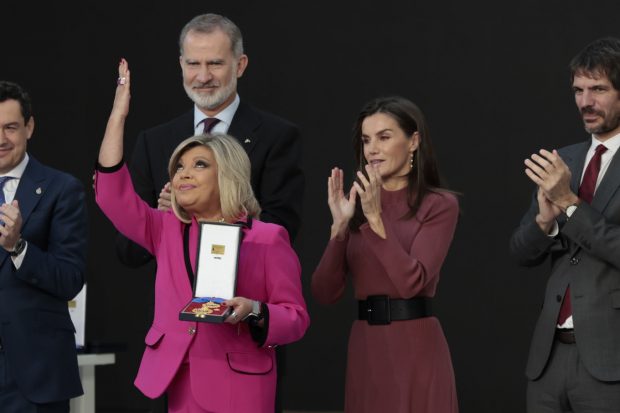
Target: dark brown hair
{"x": 601, "y": 57}
{"x": 424, "y": 176}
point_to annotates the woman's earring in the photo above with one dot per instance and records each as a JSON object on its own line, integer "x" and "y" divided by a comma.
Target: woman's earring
{"x": 411, "y": 162}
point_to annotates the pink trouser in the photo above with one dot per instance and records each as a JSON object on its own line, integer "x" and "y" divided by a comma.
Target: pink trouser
{"x": 180, "y": 397}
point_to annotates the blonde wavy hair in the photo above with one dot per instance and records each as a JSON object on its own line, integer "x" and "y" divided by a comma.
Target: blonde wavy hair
{"x": 233, "y": 176}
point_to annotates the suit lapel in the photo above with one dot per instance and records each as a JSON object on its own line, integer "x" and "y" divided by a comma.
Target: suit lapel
{"x": 244, "y": 124}
{"x": 183, "y": 284}
{"x": 185, "y": 127}
{"x": 182, "y": 129}
{"x": 194, "y": 233}
{"x": 608, "y": 186}
{"x": 575, "y": 161}
{"x": 30, "y": 190}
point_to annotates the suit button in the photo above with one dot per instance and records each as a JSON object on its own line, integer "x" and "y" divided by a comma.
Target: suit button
{"x": 574, "y": 261}
{"x": 191, "y": 330}
{"x": 558, "y": 298}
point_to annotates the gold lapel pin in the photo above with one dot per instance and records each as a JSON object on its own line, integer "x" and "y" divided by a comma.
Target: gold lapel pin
{"x": 38, "y": 191}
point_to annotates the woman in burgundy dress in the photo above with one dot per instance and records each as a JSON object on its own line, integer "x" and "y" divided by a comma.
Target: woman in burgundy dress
{"x": 391, "y": 233}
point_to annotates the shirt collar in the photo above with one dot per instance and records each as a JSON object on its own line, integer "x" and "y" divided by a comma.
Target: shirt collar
{"x": 612, "y": 144}
{"x": 225, "y": 116}
{"x": 19, "y": 169}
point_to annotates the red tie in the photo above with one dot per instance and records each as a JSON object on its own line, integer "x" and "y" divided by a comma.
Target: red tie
{"x": 586, "y": 193}
{"x": 209, "y": 123}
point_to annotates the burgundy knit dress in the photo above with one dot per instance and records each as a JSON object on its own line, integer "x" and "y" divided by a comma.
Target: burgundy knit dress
{"x": 404, "y": 366}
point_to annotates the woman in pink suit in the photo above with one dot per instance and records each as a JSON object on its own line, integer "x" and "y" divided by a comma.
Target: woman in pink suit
{"x": 393, "y": 242}
{"x": 204, "y": 367}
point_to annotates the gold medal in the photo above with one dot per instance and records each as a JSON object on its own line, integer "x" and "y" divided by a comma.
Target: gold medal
{"x": 207, "y": 308}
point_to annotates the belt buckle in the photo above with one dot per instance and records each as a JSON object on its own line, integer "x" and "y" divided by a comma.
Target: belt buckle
{"x": 378, "y": 307}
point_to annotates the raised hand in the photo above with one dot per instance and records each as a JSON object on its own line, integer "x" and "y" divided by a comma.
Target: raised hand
{"x": 370, "y": 197}
{"x": 111, "y": 151}
{"x": 122, "y": 96}
{"x": 341, "y": 206}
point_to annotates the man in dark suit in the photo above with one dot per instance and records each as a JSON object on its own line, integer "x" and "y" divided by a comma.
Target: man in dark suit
{"x": 212, "y": 60}
{"x": 574, "y": 361}
{"x": 42, "y": 263}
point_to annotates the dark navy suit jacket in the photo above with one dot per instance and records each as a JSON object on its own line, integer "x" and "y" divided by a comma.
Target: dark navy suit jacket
{"x": 36, "y": 330}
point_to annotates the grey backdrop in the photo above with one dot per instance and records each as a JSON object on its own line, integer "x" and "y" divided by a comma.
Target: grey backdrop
{"x": 490, "y": 76}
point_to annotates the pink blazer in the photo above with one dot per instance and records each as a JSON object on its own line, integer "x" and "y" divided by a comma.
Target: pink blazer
{"x": 229, "y": 371}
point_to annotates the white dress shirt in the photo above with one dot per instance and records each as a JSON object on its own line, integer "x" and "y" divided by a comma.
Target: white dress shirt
{"x": 225, "y": 116}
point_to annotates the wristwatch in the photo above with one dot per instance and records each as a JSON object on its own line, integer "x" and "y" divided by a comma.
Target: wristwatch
{"x": 570, "y": 210}
{"x": 20, "y": 245}
{"x": 255, "y": 315}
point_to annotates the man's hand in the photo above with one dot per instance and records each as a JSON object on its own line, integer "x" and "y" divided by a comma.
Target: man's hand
{"x": 547, "y": 212}
{"x": 548, "y": 171}
{"x": 164, "y": 203}
{"x": 11, "y": 230}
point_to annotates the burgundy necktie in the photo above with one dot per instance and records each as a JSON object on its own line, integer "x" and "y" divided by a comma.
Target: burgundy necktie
{"x": 586, "y": 193}
{"x": 209, "y": 123}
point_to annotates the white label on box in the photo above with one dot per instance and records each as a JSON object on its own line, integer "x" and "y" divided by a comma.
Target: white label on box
{"x": 217, "y": 260}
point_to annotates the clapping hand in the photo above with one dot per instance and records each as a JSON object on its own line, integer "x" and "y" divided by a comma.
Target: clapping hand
{"x": 547, "y": 211}
{"x": 549, "y": 171}
{"x": 10, "y": 230}
{"x": 342, "y": 207}
{"x": 369, "y": 190}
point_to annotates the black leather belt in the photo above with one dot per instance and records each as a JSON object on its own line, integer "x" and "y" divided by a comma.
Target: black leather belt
{"x": 565, "y": 336}
{"x": 381, "y": 309}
